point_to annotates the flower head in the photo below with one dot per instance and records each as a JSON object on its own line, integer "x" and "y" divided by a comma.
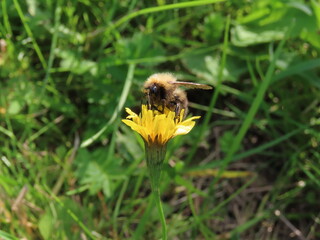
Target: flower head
{"x": 158, "y": 128}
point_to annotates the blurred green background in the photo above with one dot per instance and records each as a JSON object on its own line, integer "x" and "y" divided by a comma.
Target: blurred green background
{"x": 69, "y": 169}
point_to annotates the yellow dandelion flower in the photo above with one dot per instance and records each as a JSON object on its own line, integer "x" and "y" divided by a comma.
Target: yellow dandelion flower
{"x": 158, "y": 128}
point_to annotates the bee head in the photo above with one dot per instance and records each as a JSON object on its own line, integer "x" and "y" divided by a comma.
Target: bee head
{"x": 153, "y": 89}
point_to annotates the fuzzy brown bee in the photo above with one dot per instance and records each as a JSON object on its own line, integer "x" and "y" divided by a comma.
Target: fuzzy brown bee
{"x": 162, "y": 90}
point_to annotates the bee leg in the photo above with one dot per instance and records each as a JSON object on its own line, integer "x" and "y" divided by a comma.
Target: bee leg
{"x": 148, "y": 101}
{"x": 163, "y": 101}
{"x": 155, "y": 107}
{"x": 177, "y": 110}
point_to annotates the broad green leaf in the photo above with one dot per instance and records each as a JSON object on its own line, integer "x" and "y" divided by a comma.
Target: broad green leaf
{"x": 46, "y": 225}
{"x": 14, "y": 107}
{"x": 274, "y": 27}
{"x": 206, "y": 65}
{"x": 95, "y": 172}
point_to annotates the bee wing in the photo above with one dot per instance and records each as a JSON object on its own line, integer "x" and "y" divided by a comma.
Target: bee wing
{"x": 192, "y": 85}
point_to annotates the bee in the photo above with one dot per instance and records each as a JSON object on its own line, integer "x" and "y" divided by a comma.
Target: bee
{"x": 162, "y": 90}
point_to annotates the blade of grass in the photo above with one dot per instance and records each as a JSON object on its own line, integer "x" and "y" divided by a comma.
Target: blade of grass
{"x": 7, "y": 236}
{"x": 214, "y": 98}
{"x": 71, "y": 214}
{"x": 252, "y": 75}
{"x": 310, "y": 175}
{"x": 155, "y": 59}
{"x": 117, "y": 206}
{"x": 138, "y": 184}
{"x": 6, "y": 132}
{"x": 251, "y": 222}
{"x": 298, "y": 68}
{"x": 6, "y": 20}
{"x": 118, "y": 109}
{"x": 209, "y": 214}
{"x": 206, "y": 232}
{"x": 145, "y": 11}
{"x": 45, "y": 128}
{"x": 189, "y": 186}
{"x": 67, "y": 165}
{"x": 30, "y": 34}
{"x": 229, "y": 114}
{"x": 164, "y": 8}
{"x": 57, "y": 15}
{"x": 143, "y": 221}
{"x": 14, "y": 143}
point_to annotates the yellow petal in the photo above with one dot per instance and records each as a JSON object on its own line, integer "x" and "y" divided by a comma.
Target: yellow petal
{"x": 130, "y": 112}
{"x": 134, "y": 126}
{"x": 182, "y": 130}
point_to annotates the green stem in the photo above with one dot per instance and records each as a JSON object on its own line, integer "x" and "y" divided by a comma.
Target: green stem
{"x": 156, "y": 193}
{"x": 155, "y": 155}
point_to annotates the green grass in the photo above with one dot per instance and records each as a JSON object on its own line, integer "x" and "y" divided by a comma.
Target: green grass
{"x": 69, "y": 168}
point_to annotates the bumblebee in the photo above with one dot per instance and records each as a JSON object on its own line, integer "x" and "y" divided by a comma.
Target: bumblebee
{"x": 162, "y": 90}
